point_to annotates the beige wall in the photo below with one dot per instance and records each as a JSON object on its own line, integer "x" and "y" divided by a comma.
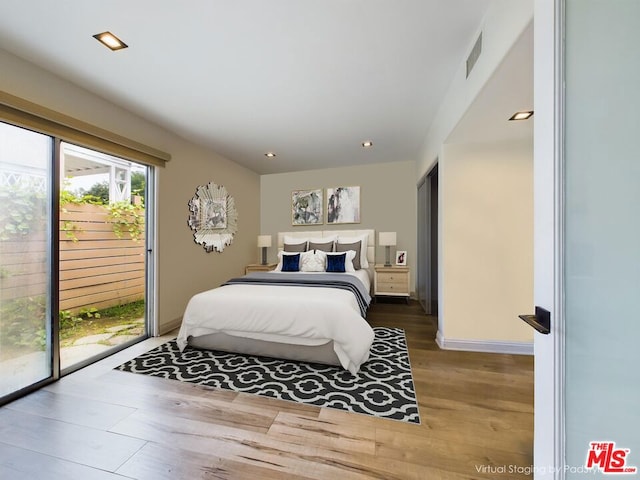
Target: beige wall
{"x": 387, "y": 202}
{"x": 183, "y": 268}
{"x": 486, "y": 201}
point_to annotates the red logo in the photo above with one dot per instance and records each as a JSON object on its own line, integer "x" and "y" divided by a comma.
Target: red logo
{"x": 608, "y": 458}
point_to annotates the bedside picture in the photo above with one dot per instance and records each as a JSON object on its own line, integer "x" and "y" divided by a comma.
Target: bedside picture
{"x": 401, "y": 257}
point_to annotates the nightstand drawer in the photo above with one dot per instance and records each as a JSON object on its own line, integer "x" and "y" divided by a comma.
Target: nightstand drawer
{"x": 391, "y": 277}
{"x": 392, "y": 287}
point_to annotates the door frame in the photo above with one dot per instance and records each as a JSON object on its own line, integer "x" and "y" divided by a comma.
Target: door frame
{"x": 549, "y": 350}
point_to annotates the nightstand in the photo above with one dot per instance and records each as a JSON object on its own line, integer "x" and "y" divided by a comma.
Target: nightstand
{"x": 258, "y": 267}
{"x": 391, "y": 281}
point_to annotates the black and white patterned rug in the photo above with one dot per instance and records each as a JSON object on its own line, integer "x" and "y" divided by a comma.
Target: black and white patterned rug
{"x": 383, "y": 387}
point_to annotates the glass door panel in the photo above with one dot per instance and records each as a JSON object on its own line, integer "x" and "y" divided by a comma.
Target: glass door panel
{"x": 25, "y": 258}
{"x": 102, "y": 255}
{"x": 602, "y": 235}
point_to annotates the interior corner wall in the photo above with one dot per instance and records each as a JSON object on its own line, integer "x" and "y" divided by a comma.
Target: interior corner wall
{"x": 183, "y": 268}
{"x": 388, "y": 196}
{"x": 486, "y": 201}
{"x": 502, "y": 25}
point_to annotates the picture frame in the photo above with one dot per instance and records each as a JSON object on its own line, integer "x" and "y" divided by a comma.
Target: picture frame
{"x": 343, "y": 205}
{"x": 401, "y": 257}
{"x": 307, "y": 207}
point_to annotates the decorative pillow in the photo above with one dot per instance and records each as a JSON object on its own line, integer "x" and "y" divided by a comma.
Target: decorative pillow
{"x": 364, "y": 239}
{"x": 295, "y": 247}
{"x": 324, "y": 246}
{"x": 291, "y": 263}
{"x": 348, "y": 262}
{"x": 313, "y": 261}
{"x": 356, "y": 247}
{"x": 336, "y": 263}
{"x": 281, "y": 255}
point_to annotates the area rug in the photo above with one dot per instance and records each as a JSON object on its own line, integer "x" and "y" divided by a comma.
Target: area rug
{"x": 383, "y": 387}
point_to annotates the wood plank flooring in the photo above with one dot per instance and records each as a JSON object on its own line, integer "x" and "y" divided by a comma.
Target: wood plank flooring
{"x": 476, "y": 411}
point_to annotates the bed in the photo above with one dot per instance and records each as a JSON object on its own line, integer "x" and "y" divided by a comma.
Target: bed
{"x": 309, "y": 316}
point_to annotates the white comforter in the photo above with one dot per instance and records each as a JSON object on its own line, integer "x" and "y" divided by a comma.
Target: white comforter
{"x": 296, "y": 315}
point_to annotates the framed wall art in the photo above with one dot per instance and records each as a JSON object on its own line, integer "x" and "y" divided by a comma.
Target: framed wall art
{"x": 306, "y": 207}
{"x": 343, "y": 205}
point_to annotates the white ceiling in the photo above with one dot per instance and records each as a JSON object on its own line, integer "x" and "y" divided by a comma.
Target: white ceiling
{"x": 307, "y": 80}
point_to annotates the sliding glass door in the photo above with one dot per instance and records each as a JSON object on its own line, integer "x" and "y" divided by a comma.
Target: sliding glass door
{"x": 26, "y": 347}
{"x": 74, "y": 257}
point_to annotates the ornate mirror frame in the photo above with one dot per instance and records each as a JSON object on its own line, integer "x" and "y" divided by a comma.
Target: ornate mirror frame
{"x": 213, "y": 217}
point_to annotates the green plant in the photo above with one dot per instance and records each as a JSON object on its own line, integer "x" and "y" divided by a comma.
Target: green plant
{"x": 23, "y": 322}
{"x": 90, "y": 312}
{"x": 127, "y": 311}
{"x": 4, "y": 273}
{"x": 138, "y": 184}
{"x": 127, "y": 218}
{"x": 23, "y": 210}
{"x": 70, "y": 323}
{"x": 99, "y": 190}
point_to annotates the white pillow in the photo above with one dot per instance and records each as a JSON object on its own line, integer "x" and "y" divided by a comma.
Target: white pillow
{"x": 364, "y": 239}
{"x": 313, "y": 261}
{"x": 280, "y": 254}
{"x": 348, "y": 260}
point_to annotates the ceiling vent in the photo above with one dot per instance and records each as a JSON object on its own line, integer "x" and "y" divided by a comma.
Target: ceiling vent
{"x": 474, "y": 55}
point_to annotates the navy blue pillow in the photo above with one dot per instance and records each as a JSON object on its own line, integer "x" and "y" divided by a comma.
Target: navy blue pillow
{"x": 335, "y": 263}
{"x": 291, "y": 263}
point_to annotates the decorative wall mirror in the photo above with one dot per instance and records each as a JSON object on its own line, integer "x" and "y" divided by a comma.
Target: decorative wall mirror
{"x": 213, "y": 217}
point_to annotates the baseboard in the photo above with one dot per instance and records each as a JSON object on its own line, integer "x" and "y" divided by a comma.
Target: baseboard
{"x": 486, "y": 346}
{"x": 172, "y": 325}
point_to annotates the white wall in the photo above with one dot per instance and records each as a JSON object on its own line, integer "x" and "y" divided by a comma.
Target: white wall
{"x": 183, "y": 267}
{"x": 387, "y": 202}
{"x": 486, "y": 239}
{"x": 503, "y": 23}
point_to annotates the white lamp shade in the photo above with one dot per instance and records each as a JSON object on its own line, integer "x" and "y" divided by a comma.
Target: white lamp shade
{"x": 264, "y": 240}
{"x": 386, "y": 239}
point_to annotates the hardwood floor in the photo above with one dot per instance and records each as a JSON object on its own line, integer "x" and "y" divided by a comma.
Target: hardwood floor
{"x": 476, "y": 411}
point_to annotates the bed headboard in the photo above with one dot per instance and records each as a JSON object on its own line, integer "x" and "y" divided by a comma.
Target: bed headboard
{"x": 371, "y": 243}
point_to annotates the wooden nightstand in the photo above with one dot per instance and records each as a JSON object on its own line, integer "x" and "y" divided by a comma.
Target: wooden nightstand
{"x": 257, "y": 267}
{"x": 391, "y": 281}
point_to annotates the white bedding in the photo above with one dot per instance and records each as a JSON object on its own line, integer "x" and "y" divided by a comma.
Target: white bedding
{"x": 285, "y": 314}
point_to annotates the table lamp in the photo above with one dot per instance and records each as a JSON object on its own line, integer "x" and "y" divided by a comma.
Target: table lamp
{"x": 387, "y": 240}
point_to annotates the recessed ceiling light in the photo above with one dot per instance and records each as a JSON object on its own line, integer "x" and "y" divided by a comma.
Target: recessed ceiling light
{"x": 522, "y": 115}
{"x": 109, "y": 40}
{"x": 270, "y": 154}
{"x": 367, "y": 144}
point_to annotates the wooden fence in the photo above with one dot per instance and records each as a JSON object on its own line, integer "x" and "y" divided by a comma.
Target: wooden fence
{"x": 23, "y": 266}
{"x": 97, "y": 269}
